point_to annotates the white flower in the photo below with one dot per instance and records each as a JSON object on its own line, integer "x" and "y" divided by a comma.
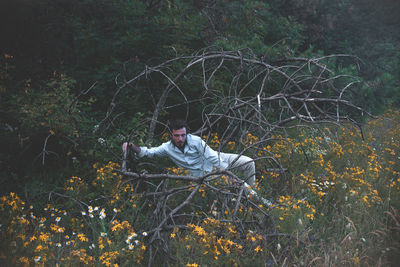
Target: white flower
{"x": 278, "y": 247}
{"x": 131, "y": 246}
{"x": 102, "y": 214}
{"x": 144, "y": 233}
{"x": 115, "y": 210}
{"x": 90, "y": 209}
{"x": 58, "y": 245}
{"x": 103, "y": 234}
{"x": 91, "y": 215}
{"x": 96, "y": 208}
{"x": 83, "y": 213}
{"x": 58, "y": 219}
{"x": 136, "y": 241}
{"x": 101, "y": 141}
{"x": 37, "y": 258}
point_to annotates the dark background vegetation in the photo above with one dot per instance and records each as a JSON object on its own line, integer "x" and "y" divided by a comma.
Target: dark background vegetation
{"x": 52, "y": 52}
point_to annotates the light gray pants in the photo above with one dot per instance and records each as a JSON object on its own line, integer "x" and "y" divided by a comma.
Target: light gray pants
{"x": 246, "y": 166}
{"x": 243, "y": 164}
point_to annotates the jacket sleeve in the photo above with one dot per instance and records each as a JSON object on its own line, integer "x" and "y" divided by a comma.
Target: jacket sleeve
{"x": 159, "y": 151}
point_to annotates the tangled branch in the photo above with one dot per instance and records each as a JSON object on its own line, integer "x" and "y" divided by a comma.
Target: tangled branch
{"x": 239, "y": 93}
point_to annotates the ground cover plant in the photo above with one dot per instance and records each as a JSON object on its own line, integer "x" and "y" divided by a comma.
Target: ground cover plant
{"x": 337, "y": 204}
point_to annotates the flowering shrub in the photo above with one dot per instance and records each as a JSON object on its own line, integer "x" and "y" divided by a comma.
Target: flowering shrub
{"x": 54, "y": 235}
{"x": 337, "y": 203}
{"x": 216, "y": 241}
{"x": 333, "y": 181}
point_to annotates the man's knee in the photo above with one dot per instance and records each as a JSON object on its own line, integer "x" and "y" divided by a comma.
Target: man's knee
{"x": 248, "y": 167}
{"x": 243, "y": 164}
{"x": 247, "y": 162}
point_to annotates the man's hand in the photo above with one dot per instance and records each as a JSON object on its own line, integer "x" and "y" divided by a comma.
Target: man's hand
{"x": 132, "y": 146}
{"x": 125, "y": 145}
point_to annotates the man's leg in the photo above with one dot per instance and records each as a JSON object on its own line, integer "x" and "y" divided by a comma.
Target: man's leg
{"x": 247, "y": 166}
{"x": 243, "y": 164}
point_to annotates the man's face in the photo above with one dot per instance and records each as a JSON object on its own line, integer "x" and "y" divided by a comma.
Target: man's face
{"x": 179, "y": 137}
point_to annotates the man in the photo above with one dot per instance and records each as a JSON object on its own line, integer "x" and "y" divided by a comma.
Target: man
{"x": 192, "y": 153}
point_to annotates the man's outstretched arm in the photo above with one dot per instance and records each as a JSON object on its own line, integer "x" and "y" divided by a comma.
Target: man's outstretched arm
{"x": 142, "y": 151}
{"x": 135, "y": 148}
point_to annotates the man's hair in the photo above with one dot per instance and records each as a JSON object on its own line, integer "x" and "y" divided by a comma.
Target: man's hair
{"x": 177, "y": 124}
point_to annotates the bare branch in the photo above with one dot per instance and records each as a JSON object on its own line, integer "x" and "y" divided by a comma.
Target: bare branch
{"x": 238, "y": 94}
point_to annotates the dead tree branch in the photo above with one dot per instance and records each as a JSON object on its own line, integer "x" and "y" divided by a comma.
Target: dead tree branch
{"x": 238, "y": 93}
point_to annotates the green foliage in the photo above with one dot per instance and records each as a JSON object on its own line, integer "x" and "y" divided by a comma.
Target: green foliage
{"x": 94, "y": 41}
{"x": 366, "y": 29}
{"x": 254, "y": 25}
{"x": 52, "y": 108}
